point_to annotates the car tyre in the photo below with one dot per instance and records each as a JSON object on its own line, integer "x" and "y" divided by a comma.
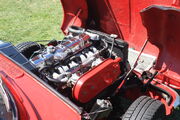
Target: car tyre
{"x": 28, "y": 48}
{"x": 145, "y": 108}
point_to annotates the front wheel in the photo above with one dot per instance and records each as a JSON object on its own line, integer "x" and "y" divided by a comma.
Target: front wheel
{"x": 145, "y": 108}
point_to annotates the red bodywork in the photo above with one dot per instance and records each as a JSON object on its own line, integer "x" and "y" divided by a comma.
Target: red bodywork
{"x": 94, "y": 81}
{"x": 163, "y": 32}
{"x": 34, "y": 100}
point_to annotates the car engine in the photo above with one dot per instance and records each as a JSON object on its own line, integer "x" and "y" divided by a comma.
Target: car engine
{"x": 86, "y": 67}
{"x": 85, "y": 63}
{"x": 69, "y": 59}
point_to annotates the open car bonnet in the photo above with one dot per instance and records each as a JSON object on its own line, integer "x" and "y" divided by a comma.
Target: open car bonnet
{"x": 135, "y": 21}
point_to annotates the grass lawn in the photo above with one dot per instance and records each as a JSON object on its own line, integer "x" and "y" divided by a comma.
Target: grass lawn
{"x": 30, "y": 20}
{"x": 33, "y": 20}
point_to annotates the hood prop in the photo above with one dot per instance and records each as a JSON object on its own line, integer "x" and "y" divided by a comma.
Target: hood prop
{"x": 134, "y": 66}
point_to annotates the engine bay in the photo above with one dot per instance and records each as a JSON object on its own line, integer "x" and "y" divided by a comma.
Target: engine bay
{"x": 82, "y": 65}
{"x": 87, "y": 69}
{"x": 84, "y": 69}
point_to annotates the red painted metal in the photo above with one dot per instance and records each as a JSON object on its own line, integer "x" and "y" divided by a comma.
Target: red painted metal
{"x": 38, "y": 101}
{"x": 23, "y": 115}
{"x": 164, "y": 32}
{"x": 94, "y": 81}
{"x": 75, "y": 13}
{"x": 122, "y": 17}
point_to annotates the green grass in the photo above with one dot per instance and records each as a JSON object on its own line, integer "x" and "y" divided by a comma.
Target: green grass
{"x": 33, "y": 20}
{"x": 30, "y": 20}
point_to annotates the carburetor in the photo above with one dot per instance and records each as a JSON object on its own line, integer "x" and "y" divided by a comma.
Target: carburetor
{"x": 61, "y": 51}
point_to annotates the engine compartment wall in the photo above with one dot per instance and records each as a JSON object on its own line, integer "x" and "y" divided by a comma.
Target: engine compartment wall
{"x": 121, "y": 17}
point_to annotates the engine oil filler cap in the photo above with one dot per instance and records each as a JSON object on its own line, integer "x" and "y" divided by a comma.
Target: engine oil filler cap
{"x": 97, "y": 79}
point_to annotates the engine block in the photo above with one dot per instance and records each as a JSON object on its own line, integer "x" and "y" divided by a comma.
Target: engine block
{"x": 80, "y": 62}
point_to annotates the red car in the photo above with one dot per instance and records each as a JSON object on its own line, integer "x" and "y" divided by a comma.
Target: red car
{"x": 113, "y": 50}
